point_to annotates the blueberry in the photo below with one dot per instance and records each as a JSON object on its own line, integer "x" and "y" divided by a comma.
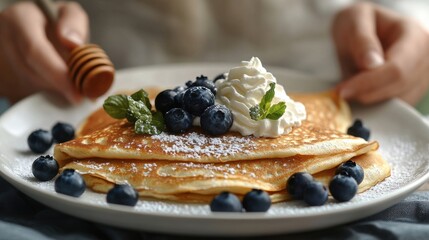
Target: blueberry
{"x": 358, "y": 130}
{"x": 219, "y": 77}
{"x": 226, "y": 202}
{"x": 70, "y": 183}
{"x": 178, "y": 99}
{"x": 257, "y": 201}
{"x": 204, "y": 82}
{"x": 216, "y": 120}
{"x": 164, "y": 101}
{"x": 296, "y": 183}
{"x": 40, "y": 141}
{"x": 189, "y": 83}
{"x": 197, "y": 99}
{"x": 123, "y": 194}
{"x": 178, "y": 120}
{"x": 201, "y": 78}
{"x": 343, "y": 187}
{"x": 315, "y": 194}
{"x": 353, "y": 170}
{"x": 45, "y": 168}
{"x": 179, "y": 89}
{"x": 62, "y": 132}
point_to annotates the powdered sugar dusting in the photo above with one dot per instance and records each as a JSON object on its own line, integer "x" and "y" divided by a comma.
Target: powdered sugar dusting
{"x": 196, "y": 145}
{"x": 406, "y": 156}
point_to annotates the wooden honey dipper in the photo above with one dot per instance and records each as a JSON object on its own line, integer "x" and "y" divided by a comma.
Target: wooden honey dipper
{"x": 90, "y": 68}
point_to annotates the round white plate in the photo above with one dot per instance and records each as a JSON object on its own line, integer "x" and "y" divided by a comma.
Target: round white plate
{"x": 402, "y": 134}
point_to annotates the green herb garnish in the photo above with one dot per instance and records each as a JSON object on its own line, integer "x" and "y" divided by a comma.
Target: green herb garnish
{"x": 116, "y": 106}
{"x": 265, "y": 110}
{"x": 136, "y": 109}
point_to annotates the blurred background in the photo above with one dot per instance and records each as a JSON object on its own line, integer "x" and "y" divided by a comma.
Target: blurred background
{"x": 294, "y": 34}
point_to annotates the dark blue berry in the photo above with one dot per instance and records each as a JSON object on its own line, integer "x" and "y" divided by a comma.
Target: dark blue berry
{"x": 123, "y": 194}
{"x": 315, "y": 194}
{"x": 218, "y": 77}
{"x": 256, "y": 201}
{"x": 189, "y": 83}
{"x": 296, "y": 184}
{"x": 164, "y": 101}
{"x": 45, "y": 168}
{"x": 62, "y": 132}
{"x": 358, "y": 130}
{"x": 178, "y": 120}
{"x": 204, "y": 82}
{"x": 178, "y": 99}
{"x": 197, "y": 99}
{"x": 40, "y": 141}
{"x": 216, "y": 120}
{"x": 353, "y": 170}
{"x": 201, "y": 78}
{"x": 226, "y": 202}
{"x": 343, "y": 187}
{"x": 179, "y": 89}
{"x": 70, "y": 183}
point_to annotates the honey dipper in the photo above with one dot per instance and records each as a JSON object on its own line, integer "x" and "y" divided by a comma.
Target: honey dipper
{"x": 90, "y": 68}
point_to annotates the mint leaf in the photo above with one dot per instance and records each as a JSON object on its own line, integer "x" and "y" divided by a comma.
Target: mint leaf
{"x": 158, "y": 121}
{"x": 276, "y": 111}
{"x": 255, "y": 113}
{"x": 143, "y": 96}
{"x": 136, "y": 110}
{"x": 146, "y": 127}
{"x": 142, "y": 127}
{"x": 267, "y": 98}
{"x": 264, "y": 110}
{"x": 116, "y": 106}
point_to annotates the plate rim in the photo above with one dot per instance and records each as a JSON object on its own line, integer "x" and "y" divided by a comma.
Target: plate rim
{"x": 391, "y": 195}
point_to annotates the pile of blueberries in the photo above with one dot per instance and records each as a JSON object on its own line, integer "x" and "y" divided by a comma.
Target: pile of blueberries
{"x": 181, "y": 104}
{"x": 343, "y": 186}
{"x": 69, "y": 182}
{"x": 254, "y": 201}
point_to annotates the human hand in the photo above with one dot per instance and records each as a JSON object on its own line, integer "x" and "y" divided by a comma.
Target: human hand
{"x": 32, "y": 53}
{"x": 382, "y": 55}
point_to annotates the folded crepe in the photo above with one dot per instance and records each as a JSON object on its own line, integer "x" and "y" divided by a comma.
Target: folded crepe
{"x": 193, "y": 167}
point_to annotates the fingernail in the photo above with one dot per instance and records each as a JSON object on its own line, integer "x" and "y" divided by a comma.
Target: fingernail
{"x": 73, "y": 37}
{"x": 373, "y": 59}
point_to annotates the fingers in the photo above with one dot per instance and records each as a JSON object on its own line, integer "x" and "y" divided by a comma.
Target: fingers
{"x": 372, "y": 86}
{"x": 37, "y": 51}
{"x": 355, "y": 35}
{"x": 414, "y": 95}
{"x": 401, "y": 73}
{"x": 405, "y": 48}
{"x": 72, "y": 24}
{"x": 14, "y": 70}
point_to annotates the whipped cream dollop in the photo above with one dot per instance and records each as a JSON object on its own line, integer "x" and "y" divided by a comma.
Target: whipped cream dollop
{"x": 244, "y": 88}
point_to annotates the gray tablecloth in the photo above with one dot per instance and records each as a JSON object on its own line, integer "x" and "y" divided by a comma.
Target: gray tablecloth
{"x": 23, "y": 218}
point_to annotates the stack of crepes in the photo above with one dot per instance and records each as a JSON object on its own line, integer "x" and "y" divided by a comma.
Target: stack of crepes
{"x": 193, "y": 167}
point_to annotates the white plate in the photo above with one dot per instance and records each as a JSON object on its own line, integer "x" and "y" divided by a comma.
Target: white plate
{"x": 402, "y": 134}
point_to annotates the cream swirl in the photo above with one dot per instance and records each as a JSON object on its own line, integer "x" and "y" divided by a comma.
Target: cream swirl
{"x": 244, "y": 88}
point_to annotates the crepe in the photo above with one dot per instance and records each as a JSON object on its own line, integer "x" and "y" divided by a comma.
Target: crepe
{"x": 197, "y": 182}
{"x": 193, "y": 167}
{"x": 193, "y": 183}
{"x": 319, "y": 135}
